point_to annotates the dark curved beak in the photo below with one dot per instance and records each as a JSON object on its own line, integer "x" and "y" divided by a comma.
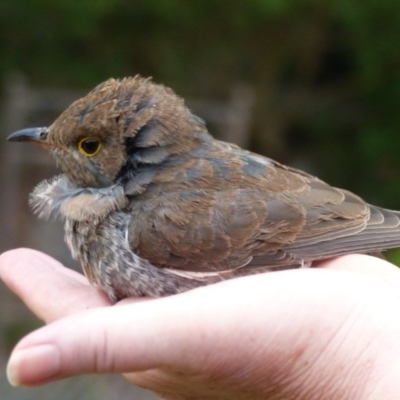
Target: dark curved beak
{"x": 34, "y": 135}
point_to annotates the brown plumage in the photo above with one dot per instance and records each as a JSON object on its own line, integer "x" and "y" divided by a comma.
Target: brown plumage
{"x": 153, "y": 205}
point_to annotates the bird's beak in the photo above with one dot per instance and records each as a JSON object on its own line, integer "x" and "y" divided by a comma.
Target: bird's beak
{"x": 34, "y": 135}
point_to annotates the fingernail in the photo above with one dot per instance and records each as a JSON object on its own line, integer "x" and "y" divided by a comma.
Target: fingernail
{"x": 34, "y": 365}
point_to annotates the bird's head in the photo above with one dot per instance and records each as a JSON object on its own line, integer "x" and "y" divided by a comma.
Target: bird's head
{"x": 119, "y": 126}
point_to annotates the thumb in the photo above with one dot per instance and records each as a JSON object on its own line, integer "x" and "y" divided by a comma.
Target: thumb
{"x": 127, "y": 338}
{"x": 168, "y": 332}
{"x": 182, "y": 332}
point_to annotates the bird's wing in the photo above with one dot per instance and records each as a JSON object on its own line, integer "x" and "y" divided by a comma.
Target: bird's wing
{"x": 246, "y": 211}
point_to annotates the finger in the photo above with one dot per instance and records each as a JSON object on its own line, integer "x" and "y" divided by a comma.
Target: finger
{"x": 49, "y": 289}
{"x": 24, "y": 255}
{"x": 366, "y": 265}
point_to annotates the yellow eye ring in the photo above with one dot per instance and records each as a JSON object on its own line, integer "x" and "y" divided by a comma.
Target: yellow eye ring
{"x": 89, "y": 146}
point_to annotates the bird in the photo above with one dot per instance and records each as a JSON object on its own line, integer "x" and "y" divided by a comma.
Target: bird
{"x": 153, "y": 205}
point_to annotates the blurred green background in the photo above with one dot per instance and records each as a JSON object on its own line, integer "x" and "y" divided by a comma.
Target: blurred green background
{"x": 325, "y": 75}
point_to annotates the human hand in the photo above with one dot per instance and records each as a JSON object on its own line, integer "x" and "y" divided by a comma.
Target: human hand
{"x": 330, "y": 332}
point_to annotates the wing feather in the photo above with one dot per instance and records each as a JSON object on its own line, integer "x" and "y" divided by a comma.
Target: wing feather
{"x": 243, "y": 212}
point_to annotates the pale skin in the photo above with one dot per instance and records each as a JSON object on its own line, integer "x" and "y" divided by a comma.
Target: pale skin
{"x": 331, "y": 332}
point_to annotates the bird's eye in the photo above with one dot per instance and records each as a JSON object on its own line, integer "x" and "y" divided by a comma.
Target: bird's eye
{"x": 89, "y": 146}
